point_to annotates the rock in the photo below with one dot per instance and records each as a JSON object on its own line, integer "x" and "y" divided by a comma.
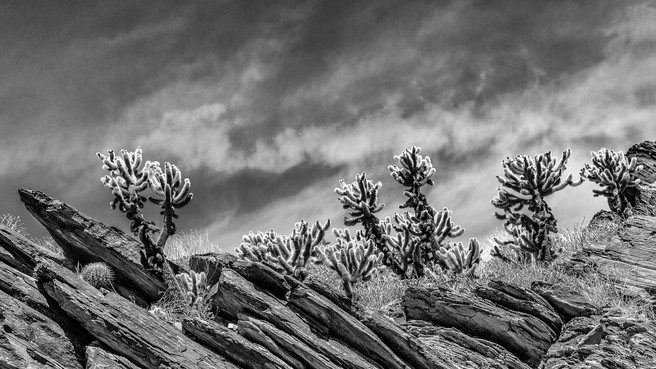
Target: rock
{"x": 462, "y": 351}
{"x": 567, "y": 302}
{"x": 522, "y": 300}
{"x": 247, "y": 354}
{"x": 644, "y": 200}
{"x": 29, "y": 339}
{"x": 407, "y": 346}
{"x": 628, "y": 256}
{"x": 335, "y": 295}
{"x": 20, "y": 253}
{"x": 266, "y": 334}
{"x": 99, "y": 357}
{"x": 343, "y": 326}
{"x": 124, "y": 327}
{"x": 86, "y": 240}
{"x": 257, "y": 273}
{"x": 610, "y": 341}
{"x": 524, "y": 335}
{"x": 233, "y": 296}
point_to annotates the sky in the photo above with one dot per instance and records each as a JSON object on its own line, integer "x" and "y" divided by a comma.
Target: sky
{"x": 266, "y": 105}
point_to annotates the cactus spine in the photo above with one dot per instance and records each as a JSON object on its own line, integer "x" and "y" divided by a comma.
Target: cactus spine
{"x": 99, "y": 275}
{"x": 193, "y": 286}
{"x": 526, "y": 182}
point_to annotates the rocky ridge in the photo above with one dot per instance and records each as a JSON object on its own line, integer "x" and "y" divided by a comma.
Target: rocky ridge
{"x": 50, "y": 318}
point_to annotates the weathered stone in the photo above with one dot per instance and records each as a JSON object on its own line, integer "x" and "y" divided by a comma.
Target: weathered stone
{"x": 524, "y": 335}
{"x": 248, "y": 329}
{"x": 610, "y": 341}
{"x": 233, "y": 295}
{"x": 343, "y": 326}
{"x": 288, "y": 343}
{"x": 644, "y": 200}
{"x": 520, "y": 299}
{"x": 257, "y": 273}
{"x": 407, "y": 346}
{"x": 335, "y": 295}
{"x": 86, "y": 240}
{"x": 462, "y": 351}
{"x": 20, "y": 253}
{"x": 29, "y": 339}
{"x": 124, "y": 327}
{"x": 231, "y": 345}
{"x": 98, "y": 357}
{"x": 566, "y": 301}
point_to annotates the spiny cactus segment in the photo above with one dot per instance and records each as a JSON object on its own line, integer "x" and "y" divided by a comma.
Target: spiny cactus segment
{"x": 128, "y": 179}
{"x": 460, "y": 260}
{"x": 289, "y": 254}
{"x": 353, "y": 258}
{"x": 415, "y": 171}
{"x": 525, "y": 183}
{"x": 99, "y": 275}
{"x": 615, "y": 173}
{"x": 193, "y": 285}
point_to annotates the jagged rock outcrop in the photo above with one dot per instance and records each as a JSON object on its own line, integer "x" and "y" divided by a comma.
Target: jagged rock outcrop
{"x": 566, "y": 301}
{"x": 85, "y": 240}
{"x": 609, "y": 341}
{"x": 20, "y": 253}
{"x": 123, "y": 326}
{"x": 524, "y": 335}
{"x": 99, "y": 357}
{"x": 644, "y": 200}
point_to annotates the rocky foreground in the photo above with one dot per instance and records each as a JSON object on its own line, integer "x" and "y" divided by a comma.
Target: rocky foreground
{"x": 50, "y": 318}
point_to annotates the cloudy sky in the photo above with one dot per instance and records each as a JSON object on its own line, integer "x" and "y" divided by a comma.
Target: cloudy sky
{"x": 266, "y": 105}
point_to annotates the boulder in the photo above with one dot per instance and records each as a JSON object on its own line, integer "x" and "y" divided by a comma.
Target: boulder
{"x": 524, "y": 335}
{"x": 100, "y": 357}
{"x": 122, "y": 326}
{"x": 568, "y": 302}
{"x": 608, "y": 341}
{"x": 20, "y": 253}
{"x": 87, "y": 240}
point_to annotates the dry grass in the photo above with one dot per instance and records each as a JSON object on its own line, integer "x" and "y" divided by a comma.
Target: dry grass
{"x": 182, "y": 246}
{"x": 13, "y": 223}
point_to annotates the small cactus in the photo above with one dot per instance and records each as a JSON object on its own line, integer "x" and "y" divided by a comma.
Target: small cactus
{"x": 98, "y": 275}
{"x": 193, "y": 285}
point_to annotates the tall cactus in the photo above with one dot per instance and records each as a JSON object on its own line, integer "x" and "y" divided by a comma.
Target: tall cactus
{"x": 353, "y": 258}
{"x": 615, "y": 173}
{"x": 289, "y": 254}
{"x": 526, "y": 182}
{"x": 128, "y": 180}
{"x": 360, "y": 198}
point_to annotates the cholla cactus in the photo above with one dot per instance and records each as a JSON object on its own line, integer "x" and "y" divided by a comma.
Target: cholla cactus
{"x": 127, "y": 179}
{"x": 354, "y": 259}
{"x": 526, "y": 183}
{"x": 415, "y": 171}
{"x": 460, "y": 260}
{"x": 193, "y": 286}
{"x": 615, "y": 173}
{"x": 99, "y": 275}
{"x": 288, "y": 254}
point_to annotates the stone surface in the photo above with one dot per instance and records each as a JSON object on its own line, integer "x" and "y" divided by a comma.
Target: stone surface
{"x": 124, "y": 327}
{"x": 610, "y": 341}
{"x": 86, "y": 240}
{"x": 20, "y": 253}
{"x": 99, "y": 357}
{"x": 231, "y": 345}
{"x": 524, "y": 335}
{"x": 29, "y": 339}
{"x": 462, "y": 351}
{"x": 568, "y": 302}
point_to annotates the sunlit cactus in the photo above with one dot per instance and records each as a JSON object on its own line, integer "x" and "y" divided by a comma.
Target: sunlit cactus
{"x": 461, "y": 260}
{"x": 615, "y": 173}
{"x": 128, "y": 179}
{"x": 193, "y": 286}
{"x": 415, "y": 171}
{"x": 360, "y": 198}
{"x": 98, "y": 274}
{"x": 289, "y": 254}
{"x": 526, "y": 181}
{"x": 353, "y": 258}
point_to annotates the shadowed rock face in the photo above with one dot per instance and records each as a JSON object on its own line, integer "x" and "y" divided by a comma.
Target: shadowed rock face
{"x": 267, "y": 320}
